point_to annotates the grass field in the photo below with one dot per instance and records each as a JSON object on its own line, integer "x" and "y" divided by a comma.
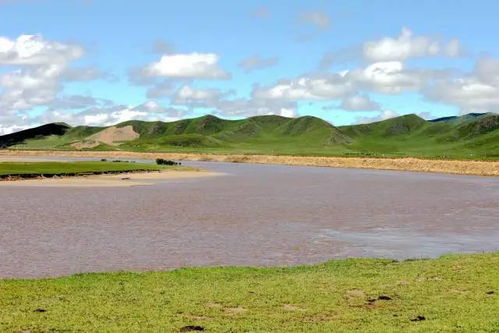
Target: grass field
{"x": 449, "y": 294}
{"x": 71, "y": 168}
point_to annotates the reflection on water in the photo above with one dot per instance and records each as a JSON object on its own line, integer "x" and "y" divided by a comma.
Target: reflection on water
{"x": 406, "y": 243}
{"x": 256, "y": 215}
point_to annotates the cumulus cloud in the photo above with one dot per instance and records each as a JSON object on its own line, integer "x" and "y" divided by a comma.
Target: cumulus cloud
{"x": 244, "y": 107}
{"x": 34, "y": 50}
{"x": 106, "y": 115}
{"x": 469, "y": 94}
{"x": 487, "y": 71}
{"x": 392, "y": 77}
{"x": 358, "y": 102}
{"x": 384, "y": 77}
{"x": 38, "y": 68}
{"x": 224, "y": 103}
{"x": 323, "y": 87}
{"x": 196, "y": 96}
{"x": 476, "y": 92}
{"x": 409, "y": 46}
{"x": 256, "y": 62}
{"x": 316, "y": 18}
{"x": 187, "y": 66}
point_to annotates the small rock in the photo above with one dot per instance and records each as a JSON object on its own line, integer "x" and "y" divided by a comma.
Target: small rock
{"x": 419, "y": 318}
{"x": 384, "y": 298}
{"x": 40, "y": 310}
{"x": 490, "y": 292}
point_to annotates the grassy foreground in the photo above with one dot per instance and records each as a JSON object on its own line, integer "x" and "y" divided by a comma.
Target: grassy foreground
{"x": 71, "y": 168}
{"x": 449, "y": 294}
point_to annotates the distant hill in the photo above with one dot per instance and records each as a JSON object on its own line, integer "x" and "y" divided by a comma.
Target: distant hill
{"x": 469, "y": 136}
{"x": 33, "y": 133}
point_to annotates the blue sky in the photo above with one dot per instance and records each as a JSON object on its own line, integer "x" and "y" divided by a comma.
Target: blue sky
{"x": 350, "y": 61}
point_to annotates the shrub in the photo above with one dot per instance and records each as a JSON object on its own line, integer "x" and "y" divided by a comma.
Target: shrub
{"x": 161, "y": 161}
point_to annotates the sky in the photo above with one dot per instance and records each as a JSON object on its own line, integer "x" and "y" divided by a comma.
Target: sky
{"x": 91, "y": 62}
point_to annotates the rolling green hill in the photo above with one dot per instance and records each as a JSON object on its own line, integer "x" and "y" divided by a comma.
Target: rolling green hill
{"x": 469, "y": 136}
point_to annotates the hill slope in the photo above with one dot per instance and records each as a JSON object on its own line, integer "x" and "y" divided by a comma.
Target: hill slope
{"x": 33, "y": 133}
{"x": 468, "y": 136}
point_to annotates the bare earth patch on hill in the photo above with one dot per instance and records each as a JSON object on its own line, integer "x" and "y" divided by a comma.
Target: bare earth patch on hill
{"x": 115, "y": 135}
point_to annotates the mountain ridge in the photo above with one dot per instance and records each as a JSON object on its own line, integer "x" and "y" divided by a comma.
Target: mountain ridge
{"x": 409, "y": 135}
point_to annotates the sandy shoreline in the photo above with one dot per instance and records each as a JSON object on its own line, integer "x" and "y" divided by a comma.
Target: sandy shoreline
{"x": 125, "y": 179}
{"x": 462, "y": 167}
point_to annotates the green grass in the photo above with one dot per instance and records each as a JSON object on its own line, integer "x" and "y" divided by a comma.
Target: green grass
{"x": 453, "y": 294}
{"x": 71, "y": 168}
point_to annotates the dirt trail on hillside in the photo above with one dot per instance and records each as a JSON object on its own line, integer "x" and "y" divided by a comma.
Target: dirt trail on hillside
{"x": 463, "y": 167}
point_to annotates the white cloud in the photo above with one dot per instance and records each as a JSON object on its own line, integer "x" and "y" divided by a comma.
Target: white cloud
{"x": 39, "y": 68}
{"x": 256, "y": 62}
{"x": 288, "y": 112}
{"x": 112, "y": 114}
{"x": 317, "y": 18}
{"x": 330, "y": 86}
{"x": 189, "y": 93}
{"x": 384, "y": 77}
{"x": 187, "y": 66}
{"x": 409, "y": 46}
{"x": 103, "y": 117}
{"x": 358, "y": 103}
{"x": 253, "y": 106}
{"x": 24, "y": 89}
{"x": 476, "y": 92}
{"x": 469, "y": 94}
{"x": 487, "y": 71}
{"x": 392, "y": 77}
{"x": 34, "y": 50}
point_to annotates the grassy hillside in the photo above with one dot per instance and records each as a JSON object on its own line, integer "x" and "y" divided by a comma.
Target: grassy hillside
{"x": 466, "y": 136}
{"x": 470, "y": 136}
{"x": 449, "y": 294}
{"x": 40, "y": 132}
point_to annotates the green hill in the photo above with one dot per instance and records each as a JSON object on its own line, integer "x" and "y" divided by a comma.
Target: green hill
{"x": 469, "y": 136}
{"x": 40, "y": 132}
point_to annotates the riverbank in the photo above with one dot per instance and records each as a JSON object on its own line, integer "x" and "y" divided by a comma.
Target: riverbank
{"x": 89, "y": 173}
{"x": 451, "y": 293}
{"x": 462, "y": 167}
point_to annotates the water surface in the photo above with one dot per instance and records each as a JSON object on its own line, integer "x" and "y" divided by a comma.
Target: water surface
{"x": 258, "y": 215}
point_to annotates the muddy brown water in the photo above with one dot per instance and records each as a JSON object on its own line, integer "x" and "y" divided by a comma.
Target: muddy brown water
{"x": 256, "y": 215}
